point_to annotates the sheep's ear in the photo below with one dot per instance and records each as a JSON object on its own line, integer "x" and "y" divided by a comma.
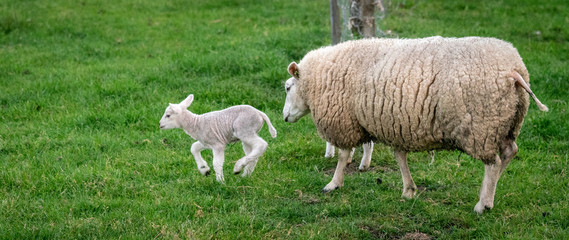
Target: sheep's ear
{"x": 293, "y": 70}
{"x": 186, "y": 103}
{"x": 172, "y": 107}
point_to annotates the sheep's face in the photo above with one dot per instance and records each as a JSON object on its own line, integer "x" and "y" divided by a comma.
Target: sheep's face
{"x": 171, "y": 116}
{"x": 295, "y": 107}
{"x": 168, "y": 120}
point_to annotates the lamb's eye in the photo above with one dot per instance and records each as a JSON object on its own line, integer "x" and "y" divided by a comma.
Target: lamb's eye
{"x": 167, "y": 116}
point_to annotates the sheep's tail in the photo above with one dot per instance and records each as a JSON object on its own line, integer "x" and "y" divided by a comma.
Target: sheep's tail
{"x": 272, "y": 129}
{"x": 522, "y": 83}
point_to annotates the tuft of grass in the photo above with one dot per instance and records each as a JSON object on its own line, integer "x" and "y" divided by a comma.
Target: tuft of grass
{"x": 84, "y": 83}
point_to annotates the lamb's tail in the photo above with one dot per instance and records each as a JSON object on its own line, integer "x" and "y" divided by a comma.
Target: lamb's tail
{"x": 272, "y": 129}
{"x": 522, "y": 83}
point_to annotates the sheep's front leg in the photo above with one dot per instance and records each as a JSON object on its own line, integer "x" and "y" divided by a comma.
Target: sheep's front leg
{"x": 196, "y": 149}
{"x": 366, "y": 158}
{"x": 409, "y": 187}
{"x": 338, "y": 179}
{"x": 218, "y": 159}
{"x": 329, "y": 150}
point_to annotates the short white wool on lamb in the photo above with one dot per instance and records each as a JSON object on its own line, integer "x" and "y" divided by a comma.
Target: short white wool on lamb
{"x": 470, "y": 94}
{"x": 214, "y": 130}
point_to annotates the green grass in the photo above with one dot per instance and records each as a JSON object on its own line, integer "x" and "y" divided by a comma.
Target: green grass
{"x": 84, "y": 83}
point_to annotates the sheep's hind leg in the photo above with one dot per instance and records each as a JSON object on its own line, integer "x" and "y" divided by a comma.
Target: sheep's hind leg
{"x": 196, "y": 149}
{"x": 338, "y": 179}
{"x": 218, "y": 159}
{"x": 492, "y": 173}
{"x": 409, "y": 187}
{"x": 491, "y": 176}
{"x": 507, "y": 153}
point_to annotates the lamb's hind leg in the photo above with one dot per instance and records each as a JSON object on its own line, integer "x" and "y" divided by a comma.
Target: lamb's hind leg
{"x": 338, "y": 179}
{"x": 409, "y": 187}
{"x": 196, "y": 149}
{"x": 492, "y": 173}
{"x": 254, "y": 147}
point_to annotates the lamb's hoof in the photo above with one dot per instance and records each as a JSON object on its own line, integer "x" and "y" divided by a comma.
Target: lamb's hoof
{"x": 238, "y": 167}
{"x": 363, "y": 168}
{"x": 481, "y": 208}
{"x": 204, "y": 170}
{"x": 220, "y": 179}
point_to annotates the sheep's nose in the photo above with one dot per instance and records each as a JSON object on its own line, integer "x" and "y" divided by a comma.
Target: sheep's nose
{"x": 286, "y": 119}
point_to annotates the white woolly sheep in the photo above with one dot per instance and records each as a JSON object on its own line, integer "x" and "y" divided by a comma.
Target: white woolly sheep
{"x": 214, "y": 130}
{"x": 469, "y": 94}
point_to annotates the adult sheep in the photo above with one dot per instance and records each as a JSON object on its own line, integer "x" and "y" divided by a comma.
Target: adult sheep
{"x": 469, "y": 94}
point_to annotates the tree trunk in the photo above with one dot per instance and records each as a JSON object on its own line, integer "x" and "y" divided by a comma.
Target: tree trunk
{"x": 335, "y": 22}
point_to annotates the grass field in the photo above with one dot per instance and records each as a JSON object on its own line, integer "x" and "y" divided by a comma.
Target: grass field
{"x": 84, "y": 83}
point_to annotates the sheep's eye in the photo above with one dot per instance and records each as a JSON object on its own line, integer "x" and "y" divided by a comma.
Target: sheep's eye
{"x": 287, "y": 89}
{"x": 167, "y": 116}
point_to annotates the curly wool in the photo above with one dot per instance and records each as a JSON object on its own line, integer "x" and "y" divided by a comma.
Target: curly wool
{"x": 417, "y": 94}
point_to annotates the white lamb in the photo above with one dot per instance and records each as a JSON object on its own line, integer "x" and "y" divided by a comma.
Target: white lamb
{"x": 214, "y": 130}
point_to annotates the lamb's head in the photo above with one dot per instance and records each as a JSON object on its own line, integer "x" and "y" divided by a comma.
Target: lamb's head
{"x": 295, "y": 106}
{"x": 172, "y": 115}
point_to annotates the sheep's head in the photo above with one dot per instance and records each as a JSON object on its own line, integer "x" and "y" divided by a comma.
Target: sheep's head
{"x": 295, "y": 107}
{"x": 171, "y": 116}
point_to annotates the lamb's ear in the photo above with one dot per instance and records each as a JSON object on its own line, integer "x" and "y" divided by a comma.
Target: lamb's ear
{"x": 172, "y": 107}
{"x": 293, "y": 70}
{"x": 186, "y": 103}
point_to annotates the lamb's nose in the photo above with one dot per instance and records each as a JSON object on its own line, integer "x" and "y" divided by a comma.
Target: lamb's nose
{"x": 286, "y": 119}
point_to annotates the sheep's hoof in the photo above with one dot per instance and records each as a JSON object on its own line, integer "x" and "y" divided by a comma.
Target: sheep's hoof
{"x": 328, "y": 188}
{"x": 363, "y": 168}
{"x": 409, "y": 193}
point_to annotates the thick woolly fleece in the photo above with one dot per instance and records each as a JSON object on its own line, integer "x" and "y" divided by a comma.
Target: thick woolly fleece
{"x": 417, "y": 94}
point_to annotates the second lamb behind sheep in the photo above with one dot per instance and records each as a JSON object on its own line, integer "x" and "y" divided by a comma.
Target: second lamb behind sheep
{"x": 214, "y": 130}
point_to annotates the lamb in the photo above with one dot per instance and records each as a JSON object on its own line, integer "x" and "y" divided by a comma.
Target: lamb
{"x": 214, "y": 130}
{"x": 469, "y": 94}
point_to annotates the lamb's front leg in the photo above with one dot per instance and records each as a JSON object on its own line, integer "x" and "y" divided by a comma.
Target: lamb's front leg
{"x": 218, "y": 159}
{"x": 338, "y": 179}
{"x": 196, "y": 149}
{"x": 409, "y": 187}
